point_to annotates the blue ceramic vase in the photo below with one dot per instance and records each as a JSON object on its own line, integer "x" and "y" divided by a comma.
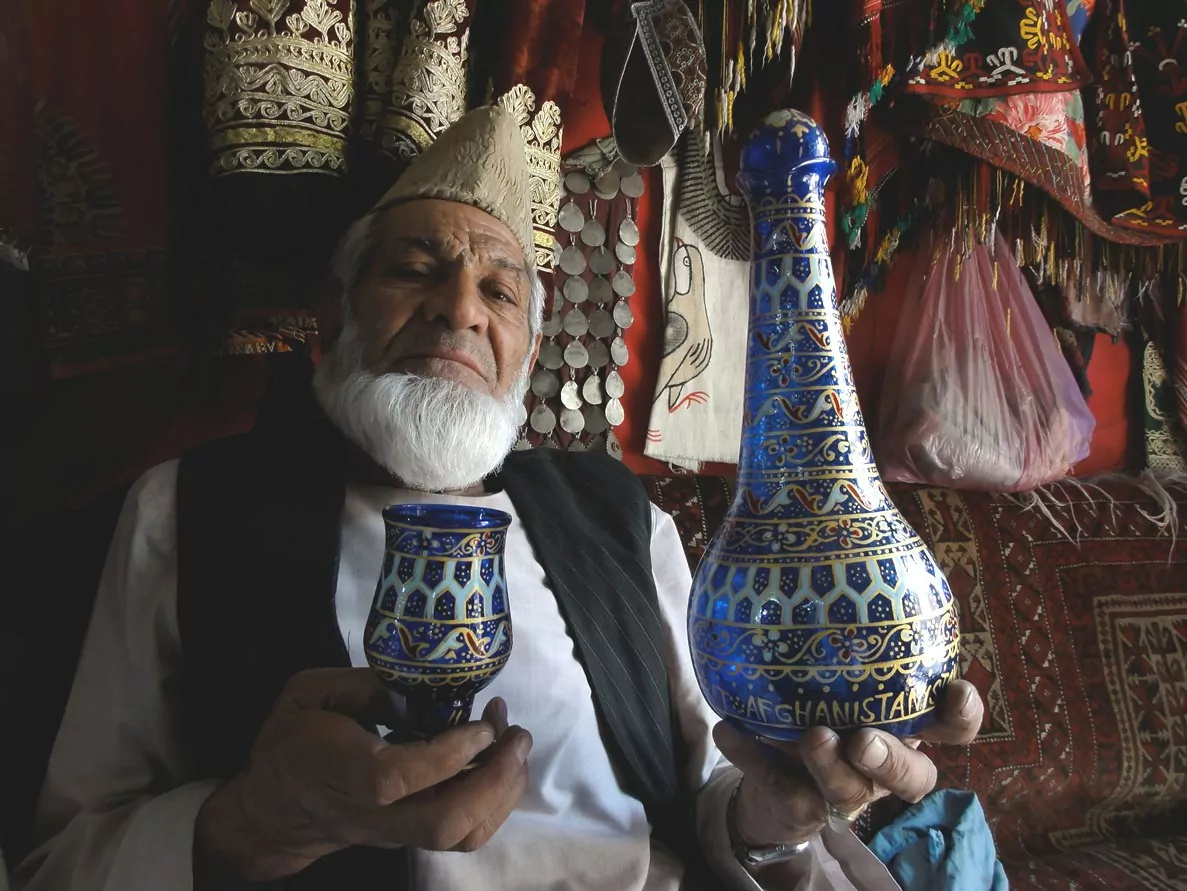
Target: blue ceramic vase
{"x": 439, "y": 629}
{"x": 815, "y": 603}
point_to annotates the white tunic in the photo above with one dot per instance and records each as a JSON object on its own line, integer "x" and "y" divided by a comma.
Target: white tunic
{"x": 118, "y": 807}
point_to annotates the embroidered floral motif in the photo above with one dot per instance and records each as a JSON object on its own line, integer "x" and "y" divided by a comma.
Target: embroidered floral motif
{"x": 429, "y": 82}
{"x": 1166, "y": 451}
{"x": 279, "y": 84}
{"x": 1018, "y": 46}
{"x": 541, "y": 131}
{"x": 383, "y": 20}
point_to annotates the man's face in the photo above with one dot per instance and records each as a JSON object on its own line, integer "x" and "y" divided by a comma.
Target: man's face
{"x": 445, "y": 294}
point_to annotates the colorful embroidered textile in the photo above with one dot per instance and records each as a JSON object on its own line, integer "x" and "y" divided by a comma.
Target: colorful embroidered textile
{"x": 1078, "y": 650}
{"x": 1018, "y": 46}
{"x": 1139, "y": 155}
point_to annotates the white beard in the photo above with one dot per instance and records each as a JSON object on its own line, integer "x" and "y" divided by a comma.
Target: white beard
{"x": 435, "y": 435}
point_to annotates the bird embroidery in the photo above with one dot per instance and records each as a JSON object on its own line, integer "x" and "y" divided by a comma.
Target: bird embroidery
{"x": 688, "y": 339}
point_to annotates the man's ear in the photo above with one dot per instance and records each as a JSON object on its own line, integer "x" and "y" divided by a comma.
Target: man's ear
{"x": 329, "y": 315}
{"x": 535, "y": 351}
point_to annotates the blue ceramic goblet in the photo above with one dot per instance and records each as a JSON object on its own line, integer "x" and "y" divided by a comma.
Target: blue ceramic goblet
{"x": 440, "y": 624}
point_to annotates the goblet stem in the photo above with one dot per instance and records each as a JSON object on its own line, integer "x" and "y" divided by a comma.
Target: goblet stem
{"x": 430, "y": 713}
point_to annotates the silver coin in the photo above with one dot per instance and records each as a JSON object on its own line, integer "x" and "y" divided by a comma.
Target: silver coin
{"x": 576, "y": 323}
{"x": 549, "y": 443}
{"x": 600, "y": 290}
{"x": 576, "y": 290}
{"x": 632, "y": 186}
{"x": 619, "y": 353}
{"x": 593, "y": 234}
{"x": 572, "y": 421}
{"x": 614, "y": 413}
{"x": 624, "y": 283}
{"x": 614, "y": 386}
{"x": 623, "y": 314}
{"x": 628, "y": 232}
{"x": 572, "y": 260}
{"x": 551, "y": 326}
{"x": 543, "y": 420}
{"x": 552, "y": 356}
{"x": 624, "y": 168}
{"x": 545, "y": 384}
{"x": 576, "y": 183}
{"x": 625, "y": 253}
{"x": 595, "y": 420}
{"x": 601, "y": 261}
{"x": 571, "y": 218}
{"x": 558, "y": 300}
{"x": 576, "y": 356}
{"x": 613, "y": 446}
{"x": 595, "y": 444}
{"x": 575, "y": 444}
{"x": 601, "y": 323}
{"x": 599, "y": 354}
{"x": 571, "y": 395}
{"x": 591, "y": 390}
{"x": 606, "y": 185}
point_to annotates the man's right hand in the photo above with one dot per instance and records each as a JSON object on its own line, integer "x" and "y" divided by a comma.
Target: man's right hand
{"x": 319, "y": 782}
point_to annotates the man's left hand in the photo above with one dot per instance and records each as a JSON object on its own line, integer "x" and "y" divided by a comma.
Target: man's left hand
{"x": 787, "y": 787}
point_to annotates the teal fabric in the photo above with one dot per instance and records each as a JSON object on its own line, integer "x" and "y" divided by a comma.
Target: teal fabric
{"x": 942, "y": 844}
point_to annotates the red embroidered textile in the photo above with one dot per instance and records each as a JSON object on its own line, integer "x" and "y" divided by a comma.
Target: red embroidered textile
{"x": 1139, "y": 155}
{"x": 1018, "y": 46}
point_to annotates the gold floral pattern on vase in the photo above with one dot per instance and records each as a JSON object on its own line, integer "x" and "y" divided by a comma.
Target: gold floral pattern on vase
{"x": 279, "y": 85}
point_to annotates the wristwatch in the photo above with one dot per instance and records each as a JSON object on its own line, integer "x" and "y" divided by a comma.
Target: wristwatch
{"x": 753, "y": 858}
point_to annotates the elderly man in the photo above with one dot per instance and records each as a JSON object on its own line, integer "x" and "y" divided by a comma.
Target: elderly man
{"x": 223, "y": 727}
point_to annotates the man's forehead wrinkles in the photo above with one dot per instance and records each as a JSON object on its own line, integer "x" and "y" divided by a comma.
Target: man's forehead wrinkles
{"x": 454, "y": 249}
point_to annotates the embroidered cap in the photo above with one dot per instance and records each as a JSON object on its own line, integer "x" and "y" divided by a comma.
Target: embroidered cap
{"x": 481, "y": 161}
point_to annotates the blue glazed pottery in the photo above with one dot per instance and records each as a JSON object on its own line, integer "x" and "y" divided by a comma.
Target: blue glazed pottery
{"x": 440, "y": 624}
{"x": 815, "y": 603}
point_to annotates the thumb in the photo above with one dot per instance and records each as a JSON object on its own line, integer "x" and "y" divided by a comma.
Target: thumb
{"x": 355, "y": 692}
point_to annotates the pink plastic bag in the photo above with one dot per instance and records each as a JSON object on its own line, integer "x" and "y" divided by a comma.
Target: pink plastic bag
{"x": 977, "y": 393}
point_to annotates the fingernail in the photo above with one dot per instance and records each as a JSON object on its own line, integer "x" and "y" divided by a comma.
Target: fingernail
{"x": 970, "y": 704}
{"x": 875, "y": 753}
{"x": 501, "y": 710}
{"x": 823, "y": 738}
{"x": 522, "y": 746}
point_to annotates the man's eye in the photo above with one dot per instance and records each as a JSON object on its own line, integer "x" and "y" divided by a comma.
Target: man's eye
{"x": 410, "y": 271}
{"x": 502, "y": 295}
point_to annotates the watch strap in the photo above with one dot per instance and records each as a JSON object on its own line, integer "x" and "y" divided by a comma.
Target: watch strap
{"x": 755, "y": 857}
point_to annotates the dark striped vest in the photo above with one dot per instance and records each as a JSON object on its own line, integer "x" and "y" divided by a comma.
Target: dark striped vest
{"x": 258, "y": 540}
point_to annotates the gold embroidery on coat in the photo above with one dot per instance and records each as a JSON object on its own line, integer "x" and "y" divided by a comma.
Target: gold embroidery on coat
{"x": 541, "y": 132}
{"x": 429, "y": 82}
{"x": 383, "y": 24}
{"x": 279, "y": 87}
{"x": 1166, "y": 452}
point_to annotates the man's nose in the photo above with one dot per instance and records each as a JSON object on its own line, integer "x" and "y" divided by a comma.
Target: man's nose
{"x": 457, "y": 302}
